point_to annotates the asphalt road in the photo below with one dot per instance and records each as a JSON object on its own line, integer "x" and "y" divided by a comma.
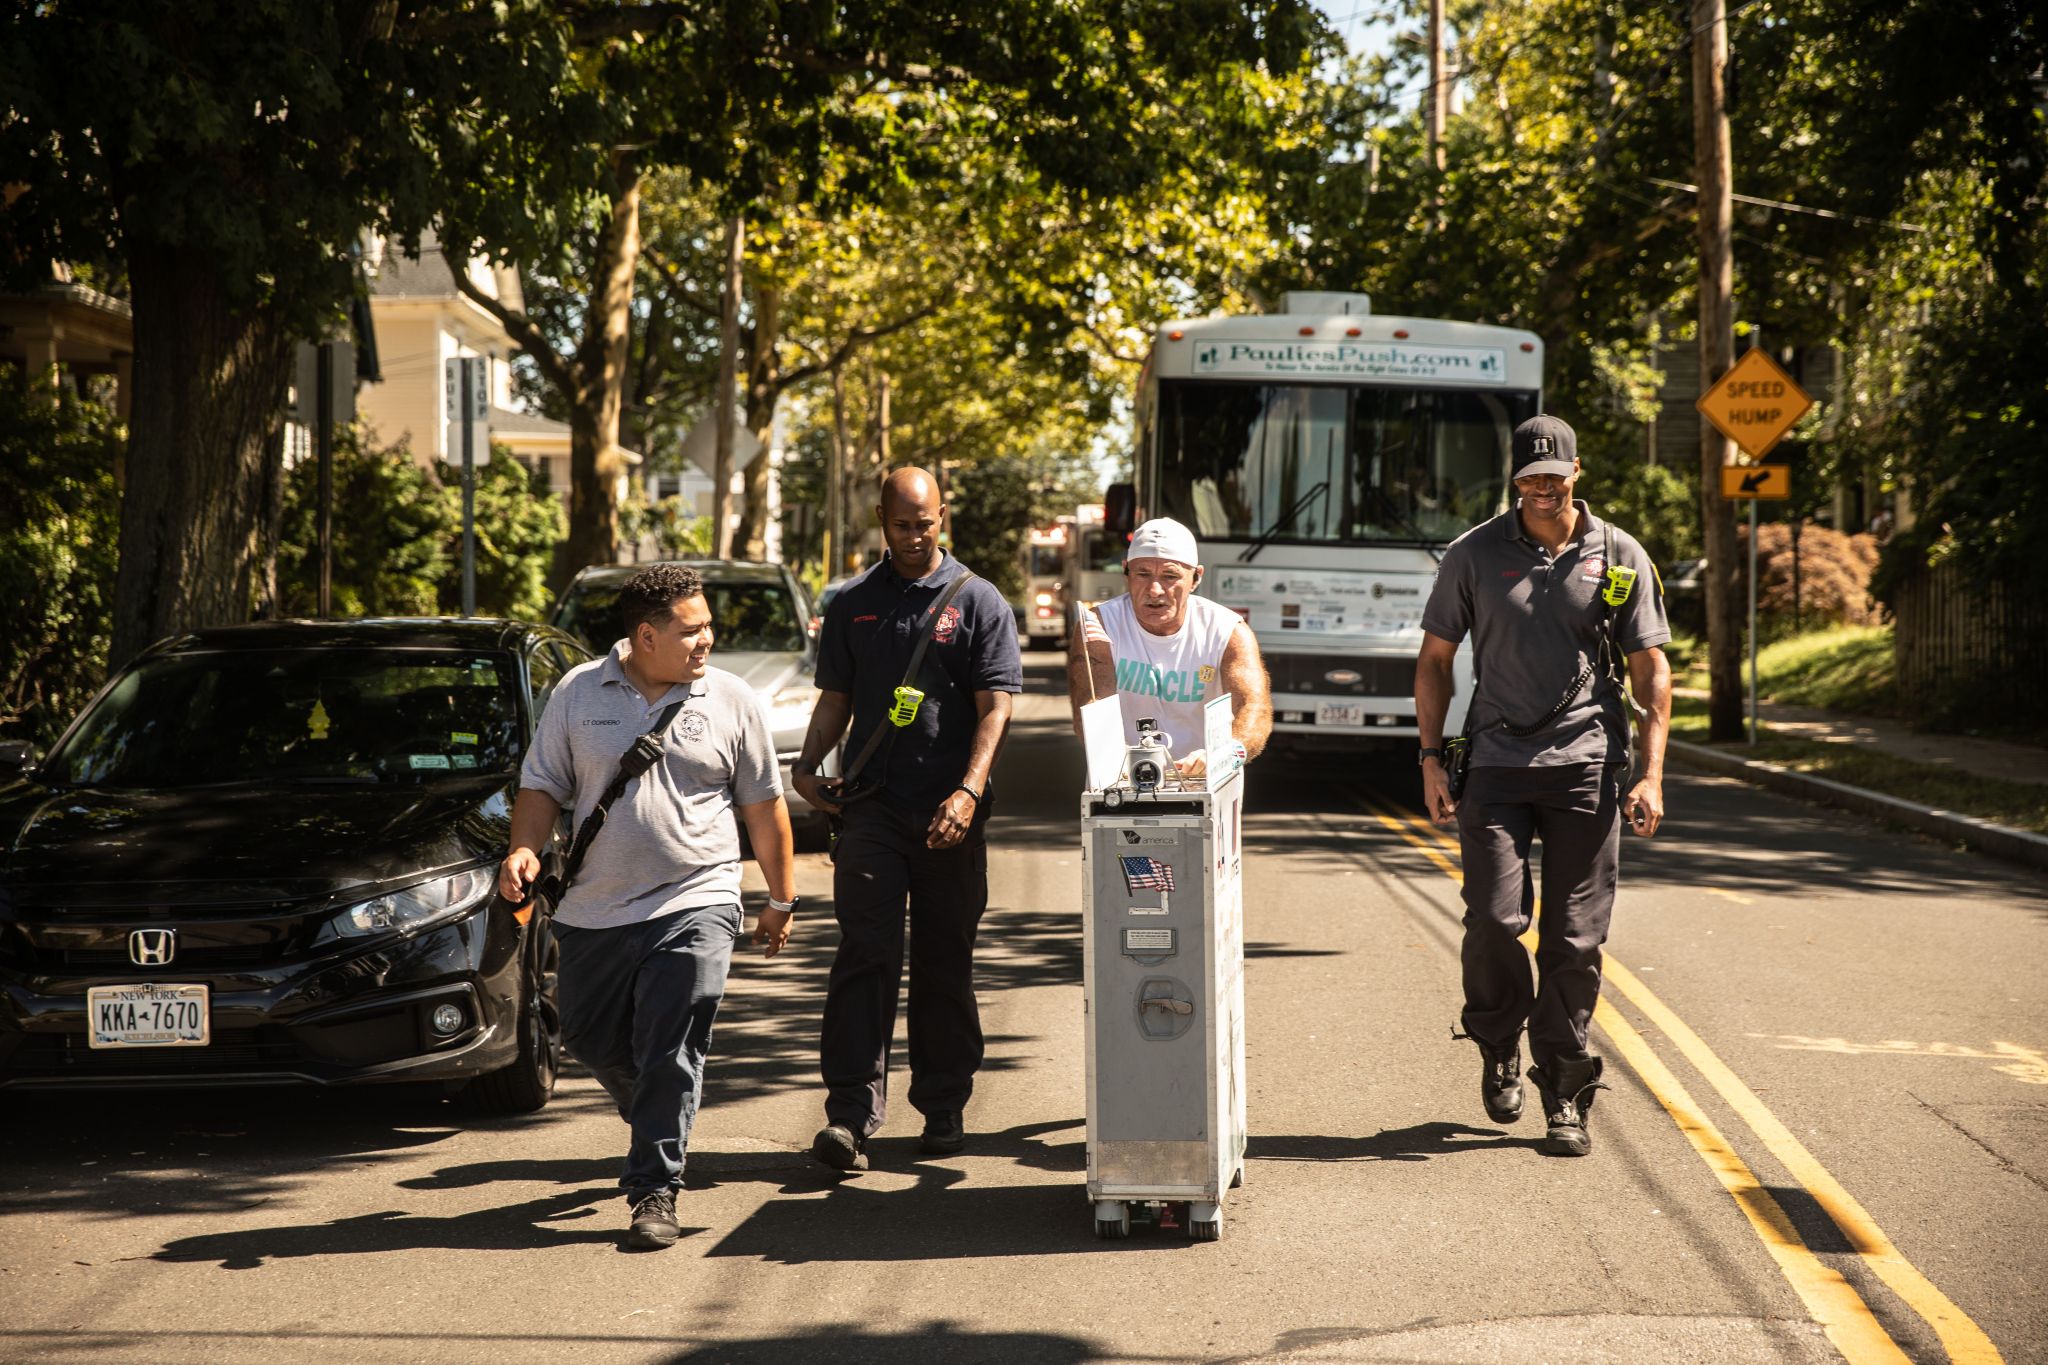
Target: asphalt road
{"x": 1827, "y": 1136}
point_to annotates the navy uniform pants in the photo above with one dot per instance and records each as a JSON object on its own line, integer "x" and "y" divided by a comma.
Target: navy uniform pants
{"x": 638, "y": 1002}
{"x": 880, "y": 868}
{"x": 1575, "y": 810}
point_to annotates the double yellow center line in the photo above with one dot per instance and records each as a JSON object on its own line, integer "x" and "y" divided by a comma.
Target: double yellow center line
{"x": 1831, "y": 1300}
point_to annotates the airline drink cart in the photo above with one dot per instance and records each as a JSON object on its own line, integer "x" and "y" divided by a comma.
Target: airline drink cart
{"x": 1163, "y": 974}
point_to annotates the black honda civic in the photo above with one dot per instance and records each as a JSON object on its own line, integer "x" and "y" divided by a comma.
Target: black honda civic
{"x": 266, "y": 855}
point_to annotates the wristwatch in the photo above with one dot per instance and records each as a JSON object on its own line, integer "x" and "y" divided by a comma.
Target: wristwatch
{"x": 1427, "y": 754}
{"x": 785, "y": 907}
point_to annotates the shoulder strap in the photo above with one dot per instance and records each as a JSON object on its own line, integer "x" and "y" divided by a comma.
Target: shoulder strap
{"x": 927, "y": 629}
{"x": 633, "y": 763}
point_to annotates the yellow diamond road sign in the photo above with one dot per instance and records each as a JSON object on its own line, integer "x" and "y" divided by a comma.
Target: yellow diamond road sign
{"x": 1755, "y": 403}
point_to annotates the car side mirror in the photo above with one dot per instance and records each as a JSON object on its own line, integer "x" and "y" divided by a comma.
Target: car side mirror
{"x": 18, "y": 756}
{"x": 1120, "y": 509}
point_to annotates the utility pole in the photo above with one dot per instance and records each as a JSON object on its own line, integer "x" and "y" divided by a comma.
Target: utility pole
{"x": 728, "y": 367}
{"x": 1439, "y": 112}
{"x": 323, "y": 453}
{"x": 1714, "y": 172}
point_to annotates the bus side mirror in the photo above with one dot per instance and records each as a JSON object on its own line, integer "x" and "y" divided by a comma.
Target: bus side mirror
{"x": 1120, "y": 509}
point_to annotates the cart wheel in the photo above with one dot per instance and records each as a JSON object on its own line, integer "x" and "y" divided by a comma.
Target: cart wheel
{"x": 1112, "y": 1228}
{"x": 1205, "y": 1222}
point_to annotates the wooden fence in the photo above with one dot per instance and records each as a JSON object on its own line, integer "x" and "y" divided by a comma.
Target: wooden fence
{"x": 1959, "y": 635}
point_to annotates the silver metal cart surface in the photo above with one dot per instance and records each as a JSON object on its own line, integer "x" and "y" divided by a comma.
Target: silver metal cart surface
{"x": 1163, "y": 974}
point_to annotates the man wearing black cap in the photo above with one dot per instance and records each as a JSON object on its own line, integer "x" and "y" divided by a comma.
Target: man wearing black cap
{"x": 1554, "y": 599}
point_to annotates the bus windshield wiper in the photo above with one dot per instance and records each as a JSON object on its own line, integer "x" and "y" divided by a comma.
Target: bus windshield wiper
{"x": 1286, "y": 520}
{"x": 1401, "y": 519}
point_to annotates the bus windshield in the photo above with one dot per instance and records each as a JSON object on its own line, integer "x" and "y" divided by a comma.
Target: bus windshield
{"x": 1331, "y": 464}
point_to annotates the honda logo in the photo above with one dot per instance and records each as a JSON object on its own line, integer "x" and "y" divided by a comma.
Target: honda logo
{"x": 152, "y": 947}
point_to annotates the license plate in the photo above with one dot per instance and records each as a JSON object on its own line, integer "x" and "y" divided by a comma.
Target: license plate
{"x": 1340, "y": 713}
{"x": 146, "y": 1016}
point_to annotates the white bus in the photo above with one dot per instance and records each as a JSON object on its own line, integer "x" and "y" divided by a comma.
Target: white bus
{"x": 1323, "y": 457}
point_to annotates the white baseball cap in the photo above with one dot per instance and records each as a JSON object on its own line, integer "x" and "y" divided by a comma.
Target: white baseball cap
{"x": 1164, "y": 538}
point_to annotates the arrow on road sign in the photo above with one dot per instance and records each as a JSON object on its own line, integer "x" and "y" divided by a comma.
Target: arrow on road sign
{"x": 1756, "y": 482}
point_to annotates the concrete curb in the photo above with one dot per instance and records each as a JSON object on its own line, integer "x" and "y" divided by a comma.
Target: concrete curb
{"x": 1982, "y": 835}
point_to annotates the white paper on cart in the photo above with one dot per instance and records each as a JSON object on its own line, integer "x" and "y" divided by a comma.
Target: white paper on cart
{"x": 1102, "y": 736}
{"x": 1223, "y": 755}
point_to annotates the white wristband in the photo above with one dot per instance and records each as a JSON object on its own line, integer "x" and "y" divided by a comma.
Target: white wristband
{"x": 781, "y": 907}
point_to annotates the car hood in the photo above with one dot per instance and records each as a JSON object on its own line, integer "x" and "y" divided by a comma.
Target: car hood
{"x": 254, "y": 842}
{"x": 766, "y": 671}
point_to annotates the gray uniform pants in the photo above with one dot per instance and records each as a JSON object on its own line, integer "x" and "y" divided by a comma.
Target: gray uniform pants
{"x": 1576, "y": 810}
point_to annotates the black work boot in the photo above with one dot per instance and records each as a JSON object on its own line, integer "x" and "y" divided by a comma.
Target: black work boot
{"x": 1500, "y": 1083}
{"x": 944, "y": 1133}
{"x": 838, "y": 1147}
{"x": 1568, "y": 1087}
{"x": 1500, "y": 1077}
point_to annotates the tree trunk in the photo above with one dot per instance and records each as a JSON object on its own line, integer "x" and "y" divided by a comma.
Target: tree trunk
{"x": 764, "y": 389}
{"x": 209, "y": 395}
{"x": 1717, "y": 353}
{"x": 728, "y": 366}
{"x": 595, "y": 458}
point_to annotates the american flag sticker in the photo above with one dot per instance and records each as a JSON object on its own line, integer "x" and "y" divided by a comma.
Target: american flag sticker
{"x": 1147, "y": 874}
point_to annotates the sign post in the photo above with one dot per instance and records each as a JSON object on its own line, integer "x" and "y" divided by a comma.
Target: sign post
{"x": 469, "y": 391}
{"x": 1754, "y": 405}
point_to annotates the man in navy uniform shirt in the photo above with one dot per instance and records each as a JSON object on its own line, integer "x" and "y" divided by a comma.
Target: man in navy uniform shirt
{"x": 914, "y": 814}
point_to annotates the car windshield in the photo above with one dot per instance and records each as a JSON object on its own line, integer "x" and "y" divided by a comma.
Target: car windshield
{"x": 760, "y": 616}
{"x": 345, "y": 716}
{"x": 1315, "y": 463}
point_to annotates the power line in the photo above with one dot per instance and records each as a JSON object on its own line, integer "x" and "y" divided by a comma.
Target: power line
{"x": 1797, "y": 208}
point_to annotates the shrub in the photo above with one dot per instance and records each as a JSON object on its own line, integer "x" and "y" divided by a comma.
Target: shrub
{"x": 60, "y": 521}
{"x": 1833, "y": 577}
{"x": 398, "y": 537}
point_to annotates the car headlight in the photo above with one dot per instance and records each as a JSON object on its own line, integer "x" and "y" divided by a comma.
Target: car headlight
{"x": 416, "y": 907}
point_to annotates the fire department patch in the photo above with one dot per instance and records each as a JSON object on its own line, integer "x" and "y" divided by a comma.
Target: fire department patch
{"x": 948, "y": 623}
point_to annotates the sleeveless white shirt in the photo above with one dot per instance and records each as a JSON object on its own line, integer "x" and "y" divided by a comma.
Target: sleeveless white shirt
{"x": 1168, "y": 678}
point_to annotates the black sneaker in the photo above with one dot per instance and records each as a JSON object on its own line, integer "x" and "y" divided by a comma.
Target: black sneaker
{"x": 944, "y": 1133}
{"x": 1568, "y": 1089}
{"x": 654, "y": 1222}
{"x": 838, "y": 1148}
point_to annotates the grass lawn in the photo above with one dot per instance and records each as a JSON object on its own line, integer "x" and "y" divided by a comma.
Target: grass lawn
{"x": 2021, "y": 805}
{"x": 1842, "y": 668}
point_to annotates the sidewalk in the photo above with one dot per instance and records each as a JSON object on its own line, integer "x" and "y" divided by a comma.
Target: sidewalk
{"x": 2004, "y": 761}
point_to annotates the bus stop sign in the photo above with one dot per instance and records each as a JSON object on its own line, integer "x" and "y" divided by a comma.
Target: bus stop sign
{"x": 1755, "y": 403}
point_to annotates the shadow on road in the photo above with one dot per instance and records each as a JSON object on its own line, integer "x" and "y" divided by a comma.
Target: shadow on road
{"x": 161, "y": 1153}
{"x": 936, "y": 1343}
{"x": 1419, "y": 1143}
{"x": 507, "y": 1227}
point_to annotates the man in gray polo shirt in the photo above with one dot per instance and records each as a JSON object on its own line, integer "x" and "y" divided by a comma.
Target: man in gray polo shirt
{"x": 1542, "y": 588}
{"x": 647, "y": 930}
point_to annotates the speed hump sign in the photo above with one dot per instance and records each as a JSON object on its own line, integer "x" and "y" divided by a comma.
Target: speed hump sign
{"x": 1755, "y": 403}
